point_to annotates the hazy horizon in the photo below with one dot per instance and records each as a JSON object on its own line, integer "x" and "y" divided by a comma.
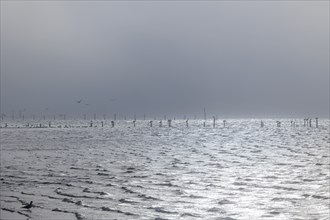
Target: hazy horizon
{"x": 238, "y": 59}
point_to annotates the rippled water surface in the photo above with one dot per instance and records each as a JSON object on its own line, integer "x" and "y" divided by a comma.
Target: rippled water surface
{"x": 240, "y": 171}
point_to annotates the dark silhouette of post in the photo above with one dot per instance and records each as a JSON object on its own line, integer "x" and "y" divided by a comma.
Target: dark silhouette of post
{"x": 102, "y": 124}
{"x": 91, "y": 124}
{"x": 150, "y": 122}
{"x": 134, "y": 122}
{"x": 112, "y": 124}
{"x": 160, "y": 123}
{"x": 187, "y": 123}
{"x": 169, "y": 121}
{"x": 278, "y": 124}
{"x": 261, "y": 124}
{"x": 134, "y": 118}
{"x": 204, "y": 124}
{"x": 214, "y": 121}
{"x": 317, "y": 122}
{"x": 310, "y": 122}
{"x": 49, "y": 124}
{"x": 224, "y": 123}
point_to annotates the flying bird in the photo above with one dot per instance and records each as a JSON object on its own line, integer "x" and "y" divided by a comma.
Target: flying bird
{"x": 27, "y": 206}
{"x": 79, "y": 101}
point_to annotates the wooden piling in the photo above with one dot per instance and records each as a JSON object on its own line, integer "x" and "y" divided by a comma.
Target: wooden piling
{"x": 204, "y": 113}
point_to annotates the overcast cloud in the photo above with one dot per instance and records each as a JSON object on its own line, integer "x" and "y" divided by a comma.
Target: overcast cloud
{"x": 235, "y": 58}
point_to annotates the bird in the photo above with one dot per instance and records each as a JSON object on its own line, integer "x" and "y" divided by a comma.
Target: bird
{"x": 79, "y": 101}
{"x": 27, "y": 206}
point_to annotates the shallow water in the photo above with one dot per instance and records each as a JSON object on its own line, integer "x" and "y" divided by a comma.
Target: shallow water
{"x": 240, "y": 171}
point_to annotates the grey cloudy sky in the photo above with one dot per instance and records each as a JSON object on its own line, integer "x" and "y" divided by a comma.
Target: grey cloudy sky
{"x": 241, "y": 58}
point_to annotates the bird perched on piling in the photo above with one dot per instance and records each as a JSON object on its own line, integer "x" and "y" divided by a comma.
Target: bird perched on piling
{"x": 28, "y": 206}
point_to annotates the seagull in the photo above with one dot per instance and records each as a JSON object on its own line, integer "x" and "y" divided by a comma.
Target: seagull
{"x": 27, "y": 206}
{"x": 79, "y": 101}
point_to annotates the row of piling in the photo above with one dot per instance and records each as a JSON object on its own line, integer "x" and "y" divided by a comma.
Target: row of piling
{"x": 307, "y": 123}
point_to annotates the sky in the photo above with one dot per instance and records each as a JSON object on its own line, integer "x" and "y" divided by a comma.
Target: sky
{"x": 235, "y": 58}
